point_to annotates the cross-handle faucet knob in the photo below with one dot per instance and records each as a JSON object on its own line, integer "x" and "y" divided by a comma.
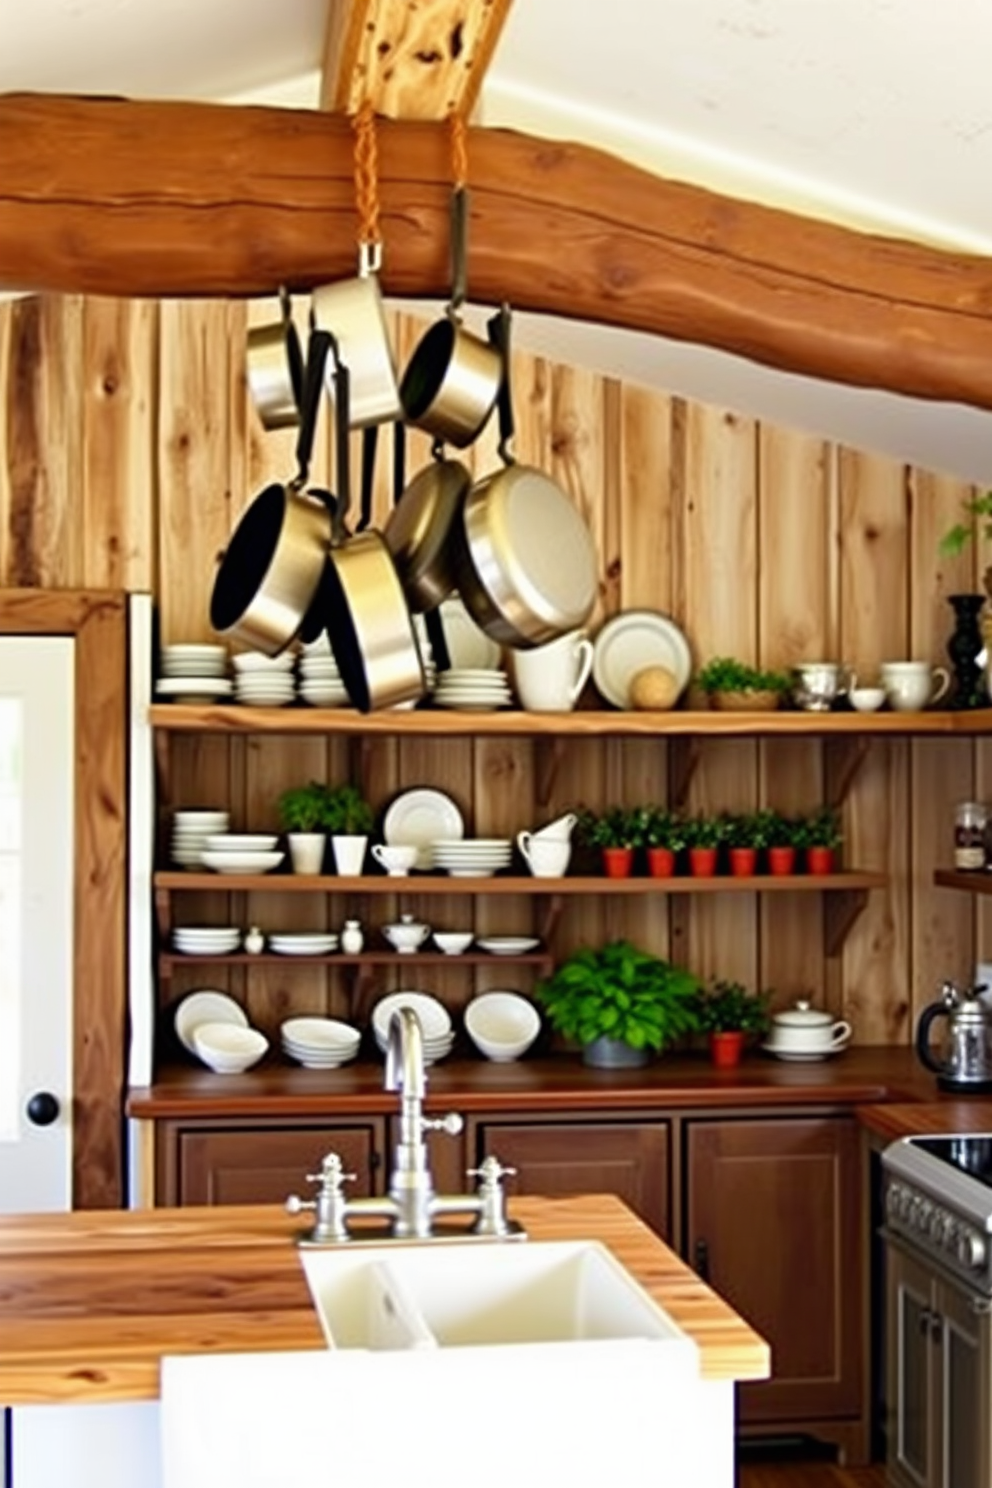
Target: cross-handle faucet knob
{"x": 492, "y": 1201}
{"x": 452, "y": 1123}
{"x": 491, "y": 1171}
{"x": 329, "y": 1205}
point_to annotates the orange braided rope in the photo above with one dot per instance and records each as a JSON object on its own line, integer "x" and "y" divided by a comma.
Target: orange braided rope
{"x": 366, "y": 175}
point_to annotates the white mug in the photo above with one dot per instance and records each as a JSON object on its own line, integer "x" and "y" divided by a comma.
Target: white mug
{"x": 560, "y": 830}
{"x": 546, "y": 858}
{"x": 397, "y": 861}
{"x": 912, "y": 685}
{"x": 549, "y": 679}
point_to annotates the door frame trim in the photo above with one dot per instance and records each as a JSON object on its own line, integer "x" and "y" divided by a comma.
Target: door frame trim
{"x": 97, "y": 622}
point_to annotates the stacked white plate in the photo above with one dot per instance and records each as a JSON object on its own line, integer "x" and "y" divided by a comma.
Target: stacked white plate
{"x": 206, "y": 940}
{"x": 190, "y": 831}
{"x": 319, "y": 1043}
{"x": 320, "y": 679}
{"x": 435, "y": 1022}
{"x": 303, "y": 943}
{"x": 472, "y": 857}
{"x": 192, "y": 673}
{"x": 477, "y": 689}
{"x": 242, "y": 852}
{"x": 263, "y": 681}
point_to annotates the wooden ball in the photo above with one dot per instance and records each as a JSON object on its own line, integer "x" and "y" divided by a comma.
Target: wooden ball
{"x": 653, "y": 687}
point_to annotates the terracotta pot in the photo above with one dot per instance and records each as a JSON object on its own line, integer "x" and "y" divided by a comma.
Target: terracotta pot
{"x": 781, "y": 861}
{"x": 819, "y": 860}
{"x": 618, "y": 862}
{"x": 726, "y": 1048}
{"x": 743, "y": 861}
{"x": 661, "y": 862}
{"x": 702, "y": 861}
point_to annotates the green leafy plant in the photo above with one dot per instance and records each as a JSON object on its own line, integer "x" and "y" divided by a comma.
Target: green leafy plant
{"x": 726, "y": 674}
{"x": 663, "y": 828}
{"x": 726, "y": 1007}
{"x": 705, "y": 831}
{"x": 304, "y": 808}
{"x": 746, "y": 829}
{"x": 780, "y": 830}
{"x": 617, "y": 826}
{"x": 820, "y": 828}
{"x": 956, "y": 538}
{"x": 622, "y": 993}
{"x": 348, "y": 812}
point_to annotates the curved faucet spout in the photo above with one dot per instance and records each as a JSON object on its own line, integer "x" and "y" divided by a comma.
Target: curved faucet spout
{"x": 405, "y": 1055}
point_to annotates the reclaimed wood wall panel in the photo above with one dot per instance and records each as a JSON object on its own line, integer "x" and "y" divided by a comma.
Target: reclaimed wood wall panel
{"x": 128, "y": 448}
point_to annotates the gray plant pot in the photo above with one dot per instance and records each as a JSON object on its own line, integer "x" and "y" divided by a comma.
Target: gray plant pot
{"x": 607, "y": 1053}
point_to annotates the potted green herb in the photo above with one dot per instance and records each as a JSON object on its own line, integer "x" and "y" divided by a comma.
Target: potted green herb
{"x": 819, "y": 834}
{"x": 303, "y": 813}
{"x": 619, "y": 1003}
{"x": 703, "y": 836}
{"x": 733, "y": 685}
{"x": 784, "y": 836}
{"x": 729, "y": 1014}
{"x": 746, "y": 834}
{"x": 664, "y": 837}
{"x": 349, "y": 821}
{"x": 617, "y": 831}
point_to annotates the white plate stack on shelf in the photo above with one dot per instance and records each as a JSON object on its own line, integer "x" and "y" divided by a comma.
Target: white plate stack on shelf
{"x": 206, "y": 940}
{"x": 190, "y": 832}
{"x": 320, "y": 682}
{"x": 303, "y": 943}
{"x": 193, "y": 674}
{"x": 319, "y": 1043}
{"x": 473, "y": 689}
{"x": 472, "y": 857}
{"x": 435, "y": 1022}
{"x": 262, "y": 681}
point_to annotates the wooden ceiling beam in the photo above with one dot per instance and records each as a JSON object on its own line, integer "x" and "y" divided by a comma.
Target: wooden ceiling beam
{"x": 158, "y": 199}
{"x": 411, "y": 60}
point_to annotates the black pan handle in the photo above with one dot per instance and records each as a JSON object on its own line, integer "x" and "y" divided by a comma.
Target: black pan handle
{"x": 342, "y": 447}
{"x": 498, "y": 329}
{"x": 459, "y": 250}
{"x": 294, "y": 353}
{"x": 319, "y": 347}
{"x": 370, "y": 442}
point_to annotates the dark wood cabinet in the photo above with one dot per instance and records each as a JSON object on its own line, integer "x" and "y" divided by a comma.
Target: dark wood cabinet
{"x": 263, "y": 1163}
{"x": 626, "y": 1158}
{"x": 775, "y": 1223}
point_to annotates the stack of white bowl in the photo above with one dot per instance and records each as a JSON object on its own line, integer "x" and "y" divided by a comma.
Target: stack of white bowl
{"x": 193, "y": 673}
{"x": 472, "y": 857}
{"x": 502, "y": 1025}
{"x": 214, "y": 1027}
{"x": 190, "y": 831}
{"x": 474, "y": 689}
{"x": 320, "y": 677}
{"x": 206, "y": 940}
{"x": 263, "y": 681}
{"x": 435, "y": 1022}
{"x": 242, "y": 852}
{"x": 303, "y": 942}
{"x": 319, "y": 1043}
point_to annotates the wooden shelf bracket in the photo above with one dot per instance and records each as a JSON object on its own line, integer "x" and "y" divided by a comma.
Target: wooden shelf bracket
{"x": 549, "y": 755}
{"x": 684, "y": 752}
{"x": 841, "y": 908}
{"x": 843, "y": 758}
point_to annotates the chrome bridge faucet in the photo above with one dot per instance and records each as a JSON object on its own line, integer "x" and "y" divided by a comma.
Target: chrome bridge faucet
{"x": 411, "y": 1205}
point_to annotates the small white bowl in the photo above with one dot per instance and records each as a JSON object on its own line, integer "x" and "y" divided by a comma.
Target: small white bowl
{"x": 453, "y": 942}
{"x": 502, "y": 1025}
{"x": 867, "y": 699}
{"x": 242, "y": 862}
{"x": 227, "y": 1048}
{"x": 250, "y": 842}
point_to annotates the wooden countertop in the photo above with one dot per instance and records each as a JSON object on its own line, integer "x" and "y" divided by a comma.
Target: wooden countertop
{"x": 857, "y": 1077}
{"x": 91, "y": 1301}
{"x": 928, "y": 1118}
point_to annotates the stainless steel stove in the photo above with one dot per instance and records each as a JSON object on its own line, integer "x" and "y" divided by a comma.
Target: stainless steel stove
{"x": 938, "y": 1196}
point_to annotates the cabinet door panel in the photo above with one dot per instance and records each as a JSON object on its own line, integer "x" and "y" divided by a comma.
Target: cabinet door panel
{"x": 909, "y": 1428}
{"x": 962, "y": 1383}
{"x": 775, "y": 1207}
{"x": 262, "y": 1166}
{"x": 559, "y": 1159}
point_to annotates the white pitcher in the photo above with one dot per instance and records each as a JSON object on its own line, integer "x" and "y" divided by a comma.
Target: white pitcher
{"x": 550, "y": 679}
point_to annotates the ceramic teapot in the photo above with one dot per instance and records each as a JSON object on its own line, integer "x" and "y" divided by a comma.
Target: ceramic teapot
{"x": 966, "y": 1059}
{"x": 805, "y": 1032}
{"x": 407, "y": 935}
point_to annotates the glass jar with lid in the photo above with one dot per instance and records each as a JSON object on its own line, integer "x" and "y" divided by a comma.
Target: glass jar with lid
{"x": 970, "y": 822}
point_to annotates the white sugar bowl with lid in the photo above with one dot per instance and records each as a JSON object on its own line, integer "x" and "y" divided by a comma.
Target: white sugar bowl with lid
{"x": 805, "y": 1032}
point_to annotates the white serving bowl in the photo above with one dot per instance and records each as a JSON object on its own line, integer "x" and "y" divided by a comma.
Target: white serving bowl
{"x": 243, "y": 842}
{"x": 435, "y": 1021}
{"x": 867, "y": 699}
{"x": 502, "y": 1025}
{"x": 453, "y": 942}
{"x": 321, "y": 1035}
{"x": 227, "y": 1048}
{"x": 242, "y": 862}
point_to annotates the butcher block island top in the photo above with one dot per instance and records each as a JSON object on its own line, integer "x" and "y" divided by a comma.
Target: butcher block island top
{"x": 92, "y": 1301}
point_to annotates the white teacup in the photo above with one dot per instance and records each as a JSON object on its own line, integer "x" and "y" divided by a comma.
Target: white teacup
{"x": 546, "y": 858}
{"x": 549, "y": 679}
{"x": 912, "y": 685}
{"x": 397, "y": 861}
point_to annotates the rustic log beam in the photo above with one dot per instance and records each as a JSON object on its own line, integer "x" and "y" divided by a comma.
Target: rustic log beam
{"x": 156, "y": 199}
{"x": 409, "y": 60}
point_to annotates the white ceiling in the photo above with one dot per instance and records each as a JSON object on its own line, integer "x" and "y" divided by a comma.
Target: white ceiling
{"x": 877, "y": 113}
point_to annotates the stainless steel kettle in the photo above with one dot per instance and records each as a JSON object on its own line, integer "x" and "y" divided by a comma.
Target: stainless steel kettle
{"x": 967, "y": 1055}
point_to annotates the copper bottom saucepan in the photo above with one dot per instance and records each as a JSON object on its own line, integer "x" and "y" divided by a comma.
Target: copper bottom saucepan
{"x": 275, "y": 370}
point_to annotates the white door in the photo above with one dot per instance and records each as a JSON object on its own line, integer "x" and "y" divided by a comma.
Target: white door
{"x": 37, "y": 714}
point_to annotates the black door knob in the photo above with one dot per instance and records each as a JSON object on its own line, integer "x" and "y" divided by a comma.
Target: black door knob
{"x": 42, "y": 1109}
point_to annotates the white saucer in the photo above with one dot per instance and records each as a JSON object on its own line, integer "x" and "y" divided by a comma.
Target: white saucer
{"x": 793, "y": 1056}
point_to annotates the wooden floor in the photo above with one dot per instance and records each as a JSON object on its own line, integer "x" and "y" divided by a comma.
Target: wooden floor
{"x": 809, "y": 1475}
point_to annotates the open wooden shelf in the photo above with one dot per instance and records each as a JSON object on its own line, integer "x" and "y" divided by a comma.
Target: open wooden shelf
{"x": 585, "y": 723}
{"x": 169, "y": 960}
{"x": 977, "y": 881}
{"x": 426, "y": 883}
